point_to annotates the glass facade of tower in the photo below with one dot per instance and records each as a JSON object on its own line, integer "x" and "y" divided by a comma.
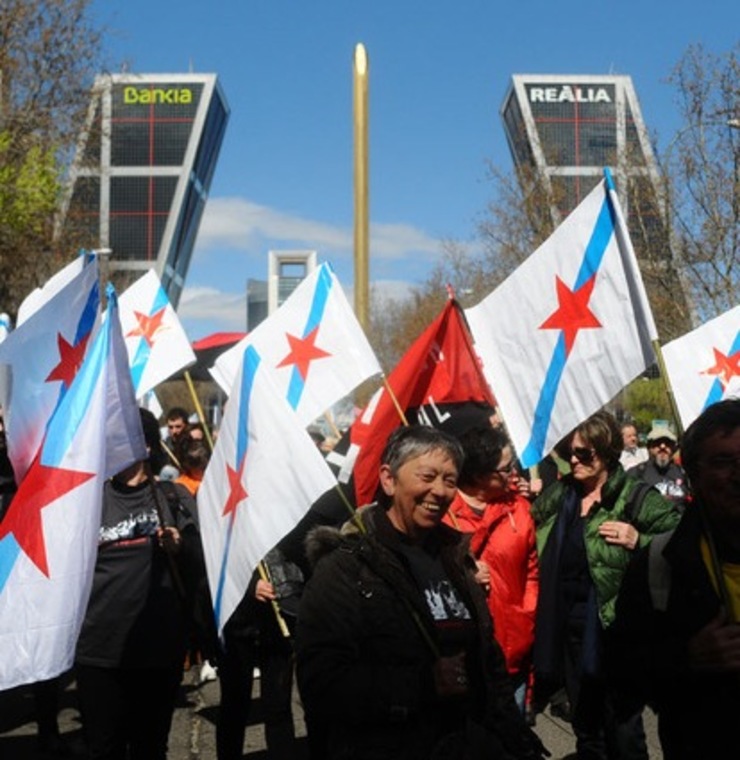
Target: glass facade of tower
{"x": 144, "y": 168}
{"x": 563, "y": 131}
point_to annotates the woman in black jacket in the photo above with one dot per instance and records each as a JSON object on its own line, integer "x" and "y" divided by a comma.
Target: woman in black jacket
{"x": 396, "y": 657}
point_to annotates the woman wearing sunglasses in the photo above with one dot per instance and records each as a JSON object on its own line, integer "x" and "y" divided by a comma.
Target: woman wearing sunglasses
{"x": 588, "y": 526}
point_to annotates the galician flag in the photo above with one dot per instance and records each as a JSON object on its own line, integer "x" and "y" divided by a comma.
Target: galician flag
{"x": 568, "y": 329}
{"x": 39, "y": 296}
{"x": 704, "y": 365}
{"x": 313, "y": 346}
{"x": 48, "y": 539}
{"x": 4, "y": 326}
{"x": 43, "y": 355}
{"x": 156, "y": 342}
{"x": 264, "y": 474}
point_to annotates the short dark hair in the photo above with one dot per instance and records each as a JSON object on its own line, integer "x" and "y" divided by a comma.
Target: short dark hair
{"x": 177, "y": 413}
{"x": 406, "y": 443}
{"x": 601, "y": 432}
{"x": 192, "y": 454}
{"x": 722, "y": 417}
{"x": 482, "y": 447}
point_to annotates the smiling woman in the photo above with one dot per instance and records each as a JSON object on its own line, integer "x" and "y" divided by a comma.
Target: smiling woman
{"x": 395, "y": 651}
{"x": 588, "y": 525}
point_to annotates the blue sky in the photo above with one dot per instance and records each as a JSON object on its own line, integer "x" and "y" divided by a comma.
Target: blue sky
{"x": 439, "y": 71}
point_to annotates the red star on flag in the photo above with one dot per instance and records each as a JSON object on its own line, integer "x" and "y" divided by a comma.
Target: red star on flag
{"x": 572, "y": 313}
{"x": 237, "y": 492}
{"x": 149, "y": 326}
{"x": 726, "y": 366}
{"x": 303, "y": 351}
{"x": 70, "y": 360}
{"x": 41, "y": 486}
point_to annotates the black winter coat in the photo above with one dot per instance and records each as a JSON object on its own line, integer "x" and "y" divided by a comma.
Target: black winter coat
{"x": 365, "y": 649}
{"x": 697, "y": 712}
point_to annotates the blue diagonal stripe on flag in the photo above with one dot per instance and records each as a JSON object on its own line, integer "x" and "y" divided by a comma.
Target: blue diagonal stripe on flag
{"x": 593, "y": 256}
{"x": 72, "y": 409}
{"x": 315, "y": 315}
{"x": 716, "y": 392}
{"x": 251, "y": 364}
{"x": 144, "y": 350}
{"x": 64, "y": 423}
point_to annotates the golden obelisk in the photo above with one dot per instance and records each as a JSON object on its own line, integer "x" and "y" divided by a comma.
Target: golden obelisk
{"x": 360, "y": 120}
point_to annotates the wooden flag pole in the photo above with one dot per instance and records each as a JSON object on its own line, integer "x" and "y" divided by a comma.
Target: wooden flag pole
{"x": 401, "y": 414}
{"x": 667, "y": 384}
{"x": 199, "y": 409}
{"x": 265, "y": 575}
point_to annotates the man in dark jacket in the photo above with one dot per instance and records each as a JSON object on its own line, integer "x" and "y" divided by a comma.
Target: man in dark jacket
{"x": 677, "y": 632}
{"x": 660, "y": 470}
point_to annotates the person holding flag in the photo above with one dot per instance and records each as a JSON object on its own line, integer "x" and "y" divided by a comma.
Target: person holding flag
{"x": 135, "y": 628}
{"x": 676, "y": 637}
{"x": 396, "y": 658}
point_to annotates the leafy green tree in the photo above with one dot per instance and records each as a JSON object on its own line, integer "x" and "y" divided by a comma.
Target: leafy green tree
{"x": 49, "y": 53}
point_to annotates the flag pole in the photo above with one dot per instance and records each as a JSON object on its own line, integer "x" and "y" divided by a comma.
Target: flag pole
{"x": 174, "y": 571}
{"x": 265, "y": 575}
{"x": 198, "y": 409}
{"x": 667, "y": 385}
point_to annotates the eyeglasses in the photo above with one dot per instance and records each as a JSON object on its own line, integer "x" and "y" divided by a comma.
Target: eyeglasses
{"x": 582, "y": 454}
{"x": 664, "y": 442}
{"x": 506, "y": 470}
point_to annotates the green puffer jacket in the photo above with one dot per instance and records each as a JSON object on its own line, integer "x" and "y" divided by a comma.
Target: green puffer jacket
{"x": 607, "y": 562}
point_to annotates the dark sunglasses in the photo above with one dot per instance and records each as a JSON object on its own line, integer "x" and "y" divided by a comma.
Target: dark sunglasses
{"x": 582, "y": 454}
{"x": 667, "y": 442}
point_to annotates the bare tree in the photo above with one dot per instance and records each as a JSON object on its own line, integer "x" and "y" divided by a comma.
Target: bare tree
{"x": 49, "y": 53}
{"x": 701, "y": 165}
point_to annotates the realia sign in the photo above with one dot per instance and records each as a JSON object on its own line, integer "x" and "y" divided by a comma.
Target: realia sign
{"x": 568, "y": 93}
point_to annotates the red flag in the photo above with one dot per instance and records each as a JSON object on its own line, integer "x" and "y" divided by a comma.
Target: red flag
{"x": 439, "y": 369}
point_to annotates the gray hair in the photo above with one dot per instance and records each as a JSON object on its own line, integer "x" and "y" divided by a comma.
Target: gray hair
{"x": 406, "y": 443}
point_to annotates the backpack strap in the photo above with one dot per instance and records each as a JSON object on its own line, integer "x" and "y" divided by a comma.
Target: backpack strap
{"x": 659, "y": 572}
{"x": 634, "y": 503}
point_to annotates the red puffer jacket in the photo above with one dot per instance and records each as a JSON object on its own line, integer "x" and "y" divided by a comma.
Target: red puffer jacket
{"x": 503, "y": 536}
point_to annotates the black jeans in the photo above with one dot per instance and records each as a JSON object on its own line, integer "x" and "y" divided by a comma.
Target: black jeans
{"x": 273, "y": 655}
{"x": 600, "y": 735}
{"x": 127, "y": 710}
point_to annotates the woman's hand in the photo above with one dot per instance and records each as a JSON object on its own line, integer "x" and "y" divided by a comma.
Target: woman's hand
{"x": 483, "y": 575}
{"x": 264, "y": 592}
{"x": 619, "y": 534}
{"x": 169, "y": 539}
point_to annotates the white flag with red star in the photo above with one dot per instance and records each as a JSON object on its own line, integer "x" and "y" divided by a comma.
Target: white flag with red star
{"x": 155, "y": 340}
{"x": 312, "y": 345}
{"x": 704, "y": 365}
{"x": 43, "y": 355}
{"x": 264, "y": 474}
{"x": 568, "y": 329}
{"x": 48, "y": 538}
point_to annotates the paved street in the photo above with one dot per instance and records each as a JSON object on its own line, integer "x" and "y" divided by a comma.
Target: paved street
{"x": 193, "y": 730}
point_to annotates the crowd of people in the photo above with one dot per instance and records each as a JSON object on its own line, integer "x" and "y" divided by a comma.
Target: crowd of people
{"x": 439, "y": 620}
